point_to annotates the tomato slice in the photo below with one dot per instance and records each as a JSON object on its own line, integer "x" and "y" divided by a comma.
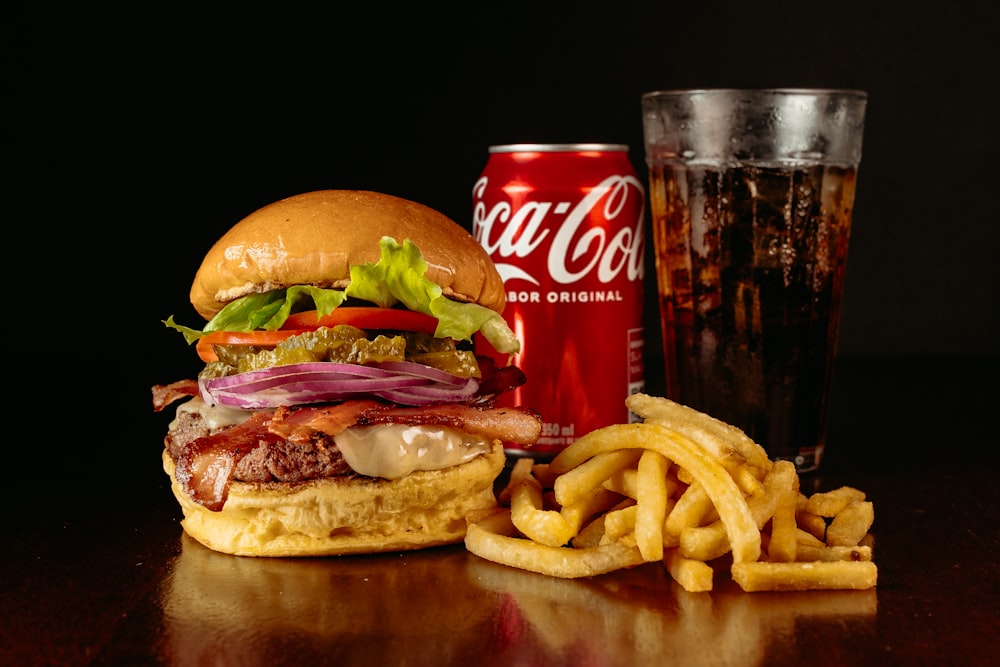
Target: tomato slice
{"x": 364, "y": 318}
{"x": 256, "y": 338}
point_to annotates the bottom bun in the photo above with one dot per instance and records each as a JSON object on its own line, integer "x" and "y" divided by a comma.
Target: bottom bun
{"x": 333, "y": 516}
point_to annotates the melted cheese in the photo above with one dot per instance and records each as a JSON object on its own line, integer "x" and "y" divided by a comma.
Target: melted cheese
{"x": 216, "y": 416}
{"x": 395, "y": 450}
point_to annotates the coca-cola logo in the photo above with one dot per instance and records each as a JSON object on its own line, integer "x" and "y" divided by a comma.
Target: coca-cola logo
{"x": 576, "y": 248}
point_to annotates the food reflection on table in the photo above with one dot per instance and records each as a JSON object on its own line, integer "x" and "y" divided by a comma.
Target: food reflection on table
{"x": 223, "y": 609}
{"x": 442, "y": 604}
{"x": 639, "y": 615}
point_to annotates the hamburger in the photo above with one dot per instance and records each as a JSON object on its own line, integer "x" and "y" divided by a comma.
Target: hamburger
{"x": 342, "y": 407}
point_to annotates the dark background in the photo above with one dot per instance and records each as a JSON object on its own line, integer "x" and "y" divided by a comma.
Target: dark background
{"x": 138, "y": 137}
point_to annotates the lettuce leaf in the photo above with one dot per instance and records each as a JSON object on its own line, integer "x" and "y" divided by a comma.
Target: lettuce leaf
{"x": 397, "y": 278}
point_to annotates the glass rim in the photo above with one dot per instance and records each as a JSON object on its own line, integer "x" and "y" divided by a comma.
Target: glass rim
{"x": 680, "y": 92}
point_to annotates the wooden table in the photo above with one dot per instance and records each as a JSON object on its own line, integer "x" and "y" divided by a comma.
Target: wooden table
{"x": 106, "y": 577}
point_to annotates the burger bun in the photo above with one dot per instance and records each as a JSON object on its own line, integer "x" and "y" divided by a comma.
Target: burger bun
{"x": 344, "y": 515}
{"x": 314, "y": 238}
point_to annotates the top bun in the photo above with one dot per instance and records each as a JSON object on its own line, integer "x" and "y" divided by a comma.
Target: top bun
{"x": 314, "y": 239}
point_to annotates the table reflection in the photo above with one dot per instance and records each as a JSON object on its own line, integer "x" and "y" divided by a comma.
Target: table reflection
{"x": 443, "y": 606}
{"x": 640, "y": 616}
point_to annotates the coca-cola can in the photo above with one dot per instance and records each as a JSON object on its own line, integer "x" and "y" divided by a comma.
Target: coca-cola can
{"x": 563, "y": 223}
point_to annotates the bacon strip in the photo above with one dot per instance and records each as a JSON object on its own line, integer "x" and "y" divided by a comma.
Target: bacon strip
{"x": 301, "y": 424}
{"x": 296, "y": 424}
{"x": 165, "y": 394}
{"x": 206, "y": 465}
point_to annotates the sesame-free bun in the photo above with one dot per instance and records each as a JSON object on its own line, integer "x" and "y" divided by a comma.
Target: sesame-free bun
{"x": 344, "y": 515}
{"x": 314, "y": 238}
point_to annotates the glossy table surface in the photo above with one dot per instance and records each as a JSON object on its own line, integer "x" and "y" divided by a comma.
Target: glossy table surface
{"x": 102, "y": 574}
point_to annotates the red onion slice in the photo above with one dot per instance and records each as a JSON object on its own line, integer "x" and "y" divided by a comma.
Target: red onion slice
{"x": 420, "y": 370}
{"x": 313, "y": 381}
{"x": 425, "y": 394}
{"x": 407, "y": 383}
{"x": 323, "y": 367}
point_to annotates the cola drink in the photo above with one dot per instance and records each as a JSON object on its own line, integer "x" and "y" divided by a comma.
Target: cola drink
{"x": 750, "y": 294}
{"x": 563, "y": 223}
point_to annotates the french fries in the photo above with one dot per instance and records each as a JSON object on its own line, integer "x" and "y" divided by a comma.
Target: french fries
{"x": 683, "y": 489}
{"x": 765, "y": 576}
{"x": 850, "y": 525}
{"x": 652, "y": 504}
{"x": 493, "y": 538}
{"x": 695, "y": 576}
{"x": 528, "y": 516}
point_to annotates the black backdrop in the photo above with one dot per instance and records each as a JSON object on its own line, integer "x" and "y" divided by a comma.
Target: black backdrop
{"x": 139, "y": 136}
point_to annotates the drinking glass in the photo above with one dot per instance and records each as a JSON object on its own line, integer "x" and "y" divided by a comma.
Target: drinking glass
{"x": 751, "y": 195}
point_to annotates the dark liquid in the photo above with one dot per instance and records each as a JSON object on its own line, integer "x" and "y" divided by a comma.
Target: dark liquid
{"x": 750, "y": 265}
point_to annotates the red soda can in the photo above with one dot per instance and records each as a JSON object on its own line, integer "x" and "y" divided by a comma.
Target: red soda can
{"x": 563, "y": 223}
